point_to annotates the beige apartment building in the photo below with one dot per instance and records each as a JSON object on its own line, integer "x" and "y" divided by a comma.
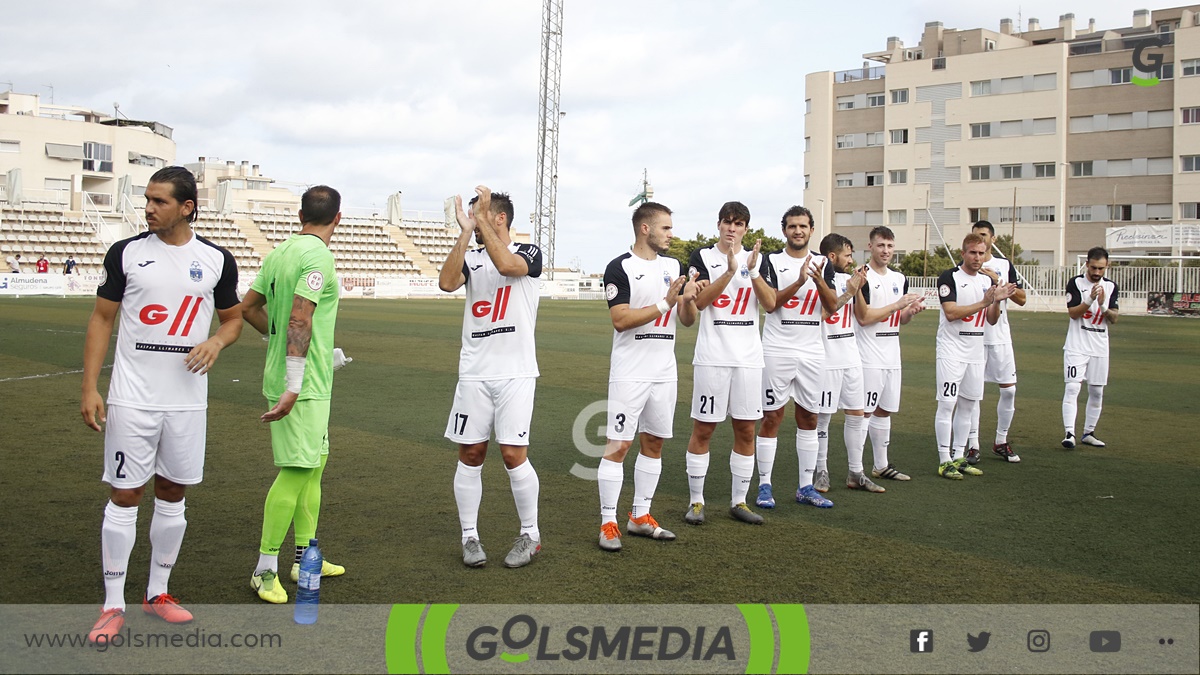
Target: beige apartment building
{"x": 76, "y": 157}
{"x": 1059, "y": 121}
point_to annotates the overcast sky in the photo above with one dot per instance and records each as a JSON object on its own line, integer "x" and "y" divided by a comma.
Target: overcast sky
{"x": 432, "y": 98}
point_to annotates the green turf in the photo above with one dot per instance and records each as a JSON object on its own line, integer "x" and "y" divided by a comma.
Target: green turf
{"x": 1094, "y": 526}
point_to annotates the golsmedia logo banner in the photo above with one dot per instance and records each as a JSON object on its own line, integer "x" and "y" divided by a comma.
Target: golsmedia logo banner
{"x": 447, "y": 638}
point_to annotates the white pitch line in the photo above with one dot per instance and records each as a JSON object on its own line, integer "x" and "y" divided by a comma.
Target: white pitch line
{"x": 34, "y": 377}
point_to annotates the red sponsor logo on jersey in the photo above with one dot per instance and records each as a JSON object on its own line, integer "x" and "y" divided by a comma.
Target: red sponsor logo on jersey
{"x": 665, "y": 319}
{"x": 740, "y": 303}
{"x": 809, "y": 306}
{"x": 978, "y": 317}
{"x": 1094, "y": 318}
{"x": 497, "y": 308}
{"x": 152, "y": 315}
{"x": 893, "y": 321}
{"x": 841, "y": 316}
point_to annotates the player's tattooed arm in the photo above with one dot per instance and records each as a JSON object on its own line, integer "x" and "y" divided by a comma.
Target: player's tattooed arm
{"x": 852, "y": 287}
{"x": 300, "y": 326}
{"x": 828, "y": 295}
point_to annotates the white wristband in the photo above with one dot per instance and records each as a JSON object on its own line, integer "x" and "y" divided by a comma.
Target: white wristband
{"x": 295, "y": 373}
{"x": 755, "y": 273}
{"x": 662, "y": 307}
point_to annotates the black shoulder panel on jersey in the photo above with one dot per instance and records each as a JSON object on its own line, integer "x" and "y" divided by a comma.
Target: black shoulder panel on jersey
{"x": 947, "y": 289}
{"x": 1112, "y": 300}
{"x": 1074, "y": 297}
{"x": 616, "y": 281}
{"x": 533, "y": 258}
{"x": 866, "y": 292}
{"x": 829, "y": 273}
{"x": 696, "y": 262}
{"x": 113, "y": 287}
{"x": 767, "y": 269}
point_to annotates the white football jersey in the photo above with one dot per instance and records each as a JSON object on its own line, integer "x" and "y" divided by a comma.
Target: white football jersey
{"x": 880, "y": 343}
{"x": 794, "y": 328}
{"x": 1000, "y": 333}
{"x": 841, "y": 345}
{"x": 961, "y": 340}
{"x": 499, "y": 317}
{"x": 645, "y": 353}
{"x": 728, "y": 333}
{"x": 167, "y": 295}
{"x": 1089, "y": 334}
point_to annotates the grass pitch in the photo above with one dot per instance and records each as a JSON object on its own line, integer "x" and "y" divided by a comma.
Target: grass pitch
{"x": 1096, "y": 526}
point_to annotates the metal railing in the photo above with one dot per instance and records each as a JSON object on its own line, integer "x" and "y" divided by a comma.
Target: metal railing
{"x": 859, "y": 74}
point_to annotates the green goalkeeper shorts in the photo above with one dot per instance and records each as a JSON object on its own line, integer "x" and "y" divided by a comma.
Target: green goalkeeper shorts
{"x": 300, "y": 439}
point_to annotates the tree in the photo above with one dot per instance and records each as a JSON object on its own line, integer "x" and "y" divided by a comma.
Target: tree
{"x": 769, "y": 244}
{"x": 682, "y": 249}
{"x": 1010, "y": 250}
{"x": 924, "y": 263}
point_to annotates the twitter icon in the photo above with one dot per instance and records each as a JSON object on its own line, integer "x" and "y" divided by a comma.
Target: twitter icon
{"x": 978, "y": 643}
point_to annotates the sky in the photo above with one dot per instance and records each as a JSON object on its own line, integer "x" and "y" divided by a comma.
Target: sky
{"x": 433, "y": 98}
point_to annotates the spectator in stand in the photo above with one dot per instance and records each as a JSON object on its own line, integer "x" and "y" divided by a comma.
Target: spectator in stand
{"x": 43, "y": 265}
{"x": 69, "y": 265}
{"x": 14, "y": 264}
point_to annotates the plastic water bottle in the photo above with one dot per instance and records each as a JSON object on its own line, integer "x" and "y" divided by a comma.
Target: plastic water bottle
{"x": 309, "y": 594}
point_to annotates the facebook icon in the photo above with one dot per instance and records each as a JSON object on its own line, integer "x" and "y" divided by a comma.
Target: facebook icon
{"x": 920, "y": 641}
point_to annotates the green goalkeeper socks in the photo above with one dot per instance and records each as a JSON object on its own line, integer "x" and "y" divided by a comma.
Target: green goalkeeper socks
{"x": 281, "y": 504}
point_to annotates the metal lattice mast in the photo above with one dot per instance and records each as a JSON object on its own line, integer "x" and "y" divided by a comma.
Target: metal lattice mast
{"x": 546, "y": 190}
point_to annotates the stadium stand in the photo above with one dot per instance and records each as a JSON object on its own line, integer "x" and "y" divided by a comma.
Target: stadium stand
{"x": 35, "y": 229}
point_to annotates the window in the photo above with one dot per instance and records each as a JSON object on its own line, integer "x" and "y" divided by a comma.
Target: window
{"x": 844, "y": 180}
{"x": 1081, "y": 214}
{"x": 1082, "y": 125}
{"x": 1010, "y": 128}
{"x": 1191, "y": 115}
{"x": 989, "y": 45}
{"x": 1190, "y": 163}
{"x": 873, "y": 218}
{"x": 1010, "y": 171}
{"x": 1120, "y": 212}
{"x": 899, "y": 96}
{"x": 1043, "y": 170}
{"x": 876, "y": 100}
{"x": 146, "y": 160}
{"x": 843, "y": 218}
{"x": 1189, "y": 210}
{"x": 1045, "y": 125}
{"x": 807, "y": 143}
{"x": 1159, "y": 118}
{"x": 874, "y": 178}
{"x": 1012, "y": 85}
{"x": 981, "y": 130}
{"x": 976, "y": 215}
{"x": 981, "y": 172}
{"x": 1119, "y": 167}
{"x": 10, "y": 146}
{"x": 1167, "y": 72}
{"x": 874, "y": 138}
{"x": 1080, "y": 169}
{"x": 845, "y": 141}
{"x": 1159, "y": 166}
{"x": 1190, "y": 67}
{"x": 1158, "y": 212}
{"x": 1043, "y": 214}
{"x": 807, "y": 105}
{"x": 1120, "y": 75}
{"x": 1004, "y": 214}
{"x": 898, "y": 176}
{"x": 845, "y": 103}
{"x": 981, "y": 88}
{"x": 899, "y": 136}
{"x": 97, "y": 157}
{"x": 1045, "y": 82}
{"x": 900, "y": 217}
{"x": 58, "y": 183}
{"x": 806, "y": 181}
{"x": 1120, "y": 121}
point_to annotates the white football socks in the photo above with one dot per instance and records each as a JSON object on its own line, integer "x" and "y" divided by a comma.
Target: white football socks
{"x": 764, "y": 452}
{"x": 525, "y": 488}
{"x": 117, "y": 535}
{"x": 609, "y": 477}
{"x": 973, "y": 434}
{"x": 742, "y": 469}
{"x": 962, "y": 425}
{"x": 646, "y": 471}
{"x": 1070, "y": 406}
{"x": 943, "y": 425}
{"x": 806, "y": 454}
{"x": 1006, "y": 407}
{"x": 823, "y": 441}
{"x": 697, "y": 469}
{"x": 166, "y": 537}
{"x": 853, "y": 431}
{"x": 880, "y": 430}
{"x": 468, "y": 492}
{"x": 1091, "y": 414}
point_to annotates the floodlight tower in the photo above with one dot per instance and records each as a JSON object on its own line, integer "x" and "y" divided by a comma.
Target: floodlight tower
{"x": 546, "y": 190}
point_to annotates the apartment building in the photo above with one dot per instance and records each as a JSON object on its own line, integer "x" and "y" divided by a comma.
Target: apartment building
{"x": 1057, "y": 133}
{"x": 75, "y": 157}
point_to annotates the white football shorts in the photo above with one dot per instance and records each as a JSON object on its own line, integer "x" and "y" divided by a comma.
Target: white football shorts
{"x": 793, "y": 377}
{"x": 1080, "y": 367}
{"x": 648, "y": 407}
{"x": 480, "y": 406}
{"x": 841, "y": 389}
{"x": 726, "y": 391}
{"x": 141, "y": 443}
{"x": 882, "y": 387}
{"x": 1001, "y": 366}
{"x": 959, "y": 379}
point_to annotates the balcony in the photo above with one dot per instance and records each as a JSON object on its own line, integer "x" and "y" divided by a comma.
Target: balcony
{"x": 858, "y": 74}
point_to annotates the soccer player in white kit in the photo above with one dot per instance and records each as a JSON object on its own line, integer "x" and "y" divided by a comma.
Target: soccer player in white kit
{"x": 647, "y": 298}
{"x": 1092, "y": 306}
{"x": 968, "y": 300}
{"x": 793, "y": 353}
{"x": 842, "y": 379}
{"x": 1001, "y": 366}
{"x": 497, "y": 368}
{"x": 165, "y": 284}
{"x": 728, "y": 361}
{"x": 884, "y": 304}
